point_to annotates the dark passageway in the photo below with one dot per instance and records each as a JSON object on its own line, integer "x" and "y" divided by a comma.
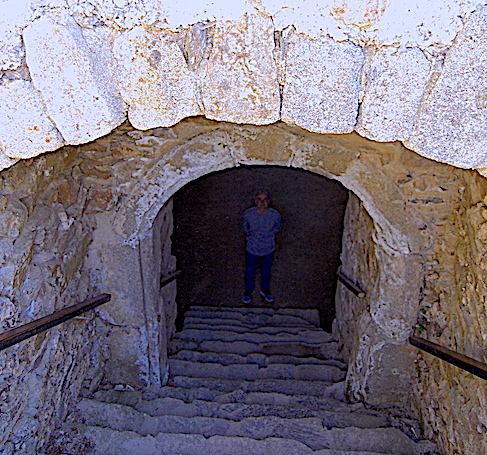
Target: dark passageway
{"x": 209, "y": 244}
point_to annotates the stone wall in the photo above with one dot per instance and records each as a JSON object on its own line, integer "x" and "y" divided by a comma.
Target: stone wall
{"x": 453, "y": 314}
{"x": 71, "y": 72}
{"x": 102, "y": 209}
{"x": 451, "y": 300}
{"x": 44, "y": 239}
{"x": 383, "y": 69}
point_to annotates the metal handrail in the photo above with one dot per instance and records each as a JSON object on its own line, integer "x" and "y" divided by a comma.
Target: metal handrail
{"x": 168, "y": 278}
{"x": 30, "y": 329}
{"x": 349, "y": 284}
{"x": 459, "y": 360}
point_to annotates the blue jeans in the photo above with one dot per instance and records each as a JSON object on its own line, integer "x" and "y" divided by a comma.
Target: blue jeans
{"x": 251, "y": 261}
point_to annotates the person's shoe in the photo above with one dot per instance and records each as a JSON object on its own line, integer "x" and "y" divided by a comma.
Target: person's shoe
{"x": 266, "y": 293}
{"x": 247, "y": 298}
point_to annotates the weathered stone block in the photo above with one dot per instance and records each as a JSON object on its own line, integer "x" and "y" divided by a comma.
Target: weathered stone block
{"x": 451, "y": 122}
{"x": 321, "y": 84}
{"x": 393, "y": 83}
{"x": 238, "y": 82}
{"x": 155, "y": 80}
{"x": 13, "y": 15}
{"x": 78, "y": 94}
{"x": 26, "y": 130}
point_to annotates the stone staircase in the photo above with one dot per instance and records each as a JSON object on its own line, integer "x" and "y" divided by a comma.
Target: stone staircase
{"x": 242, "y": 381}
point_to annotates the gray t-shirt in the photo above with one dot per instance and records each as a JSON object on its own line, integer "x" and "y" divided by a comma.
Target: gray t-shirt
{"x": 261, "y": 229}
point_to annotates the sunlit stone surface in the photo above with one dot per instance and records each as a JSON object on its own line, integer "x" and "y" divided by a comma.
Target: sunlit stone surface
{"x": 257, "y": 62}
{"x": 25, "y": 128}
{"x": 78, "y": 95}
{"x": 238, "y": 80}
{"x": 321, "y": 84}
{"x": 154, "y": 79}
{"x": 453, "y": 115}
{"x": 393, "y": 83}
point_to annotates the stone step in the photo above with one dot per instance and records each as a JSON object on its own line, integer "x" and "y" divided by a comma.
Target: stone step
{"x": 308, "y": 431}
{"x": 332, "y": 397}
{"x": 270, "y": 330}
{"x": 323, "y": 351}
{"x": 239, "y": 411}
{"x": 259, "y": 359}
{"x": 105, "y": 441}
{"x": 253, "y": 371}
{"x": 257, "y": 315}
{"x": 285, "y": 386}
{"x": 260, "y": 322}
{"x": 311, "y": 337}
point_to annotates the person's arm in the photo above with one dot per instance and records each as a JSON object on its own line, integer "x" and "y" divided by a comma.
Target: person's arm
{"x": 277, "y": 224}
{"x": 245, "y": 225}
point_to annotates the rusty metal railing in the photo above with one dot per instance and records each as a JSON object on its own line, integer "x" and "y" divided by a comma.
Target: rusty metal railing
{"x": 349, "y": 284}
{"x": 459, "y": 360}
{"x": 168, "y": 278}
{"x": 30, "y": 329}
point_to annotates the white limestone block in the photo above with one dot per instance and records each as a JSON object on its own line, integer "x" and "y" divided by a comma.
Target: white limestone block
{"x": 393, "y": 83}
{"x": 431, "y": 24}
{"x": 13, "y": 15}
{"x": 239, "y": 80}
{"x": 154, "y": 78}
{"x": 186, "y": 12}
{"x": 376, "y": 22}
{"x": 321, "y": 84}
{"x": 79, "y": 96}
{"x": 25, "y": 130}
{"x": 451, "y": 123}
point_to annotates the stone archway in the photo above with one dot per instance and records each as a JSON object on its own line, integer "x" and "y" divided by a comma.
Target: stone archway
{"x": 419, "y": 81}
{"x": 401, "y": 234}
{"x": 404, "y": 223}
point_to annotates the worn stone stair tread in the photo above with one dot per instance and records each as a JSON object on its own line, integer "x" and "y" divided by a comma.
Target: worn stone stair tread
{"x": 307, "y": 336}
{"x": 258, "y": 315}
{"x": 268, "y": 322}
{"x": 112, "y": 442}
{"x": 269, "y": 330}
{"x": 334, "y": 397}
{"x": 309, "y": 431}
{"x": 227, "y": 358}
{"x": 324, "y": 351}
{"x": 238, "y": 411}
{"x": 310, "y": 313}
{"x": 334, "y": 400}
{"x": 287, "y": 386}
{"x": 248, "y": 371}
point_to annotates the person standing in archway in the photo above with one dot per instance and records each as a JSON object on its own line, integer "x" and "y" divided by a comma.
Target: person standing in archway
{"x": 261, "y": 224}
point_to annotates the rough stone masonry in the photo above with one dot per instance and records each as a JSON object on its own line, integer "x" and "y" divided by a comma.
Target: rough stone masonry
{"x": 338, "y": 76}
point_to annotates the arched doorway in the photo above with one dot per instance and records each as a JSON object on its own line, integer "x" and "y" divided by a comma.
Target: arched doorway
{"x": 397, "y": 230}
{"x": 209, "y": 243}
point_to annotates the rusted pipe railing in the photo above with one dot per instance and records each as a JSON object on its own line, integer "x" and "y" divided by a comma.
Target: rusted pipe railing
{"x": 350, "y": 284}
{"x": 25, "y": 331}
{"x": 168, "y": 278}
{"x": 459, "y": 360}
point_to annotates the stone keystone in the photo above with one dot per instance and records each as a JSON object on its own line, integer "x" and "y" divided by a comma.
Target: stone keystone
{"x": 238, "y": 81}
